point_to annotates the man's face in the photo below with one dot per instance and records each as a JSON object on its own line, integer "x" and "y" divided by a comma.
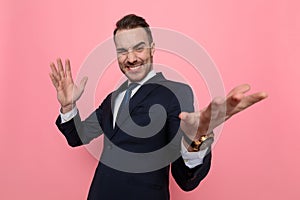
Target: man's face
{"x": 134, "y": 53}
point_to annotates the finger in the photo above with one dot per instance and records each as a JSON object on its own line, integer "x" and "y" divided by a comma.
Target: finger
{"x": 54, "y": 81}
{"x": 54, "y": 71}
{"x": 68, "y": 68}
{"x": 254, "y": 98}
{"x": 240, "y": 89}
{"x": 261, "y": 95}
{"x": 60, "y": 68}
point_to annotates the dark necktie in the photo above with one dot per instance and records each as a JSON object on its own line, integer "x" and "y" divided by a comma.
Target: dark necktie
{"x": 125, "y": 102}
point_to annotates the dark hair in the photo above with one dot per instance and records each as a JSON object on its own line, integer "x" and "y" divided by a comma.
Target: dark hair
{"x": 132, "y": 21}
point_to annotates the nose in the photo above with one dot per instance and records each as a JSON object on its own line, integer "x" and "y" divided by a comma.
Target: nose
{"x": 131, "y": 57}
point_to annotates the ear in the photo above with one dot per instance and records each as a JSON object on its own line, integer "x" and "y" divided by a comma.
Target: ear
{"x": 152, "y": 46}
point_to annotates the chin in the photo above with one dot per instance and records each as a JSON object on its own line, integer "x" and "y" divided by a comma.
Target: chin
{"x": 135, "y": 78}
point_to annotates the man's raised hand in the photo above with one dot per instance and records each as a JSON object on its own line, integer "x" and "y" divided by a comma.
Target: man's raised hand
{"x": 218, "y": 111}
{"x": 67, "y": 92}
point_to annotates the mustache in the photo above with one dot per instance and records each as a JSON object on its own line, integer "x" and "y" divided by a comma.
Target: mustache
{"x": 133, "y": 64}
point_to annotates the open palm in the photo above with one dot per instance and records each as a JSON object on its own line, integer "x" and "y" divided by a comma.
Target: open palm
{"x": 67, "y": 92}
{"x": 218, "y": 111}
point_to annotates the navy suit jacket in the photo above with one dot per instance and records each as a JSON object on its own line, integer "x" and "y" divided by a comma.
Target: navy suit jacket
{"x": 135, "y": 162}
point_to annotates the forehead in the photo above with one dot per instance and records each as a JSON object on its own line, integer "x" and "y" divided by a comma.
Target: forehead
{"x": 127, "y": 38}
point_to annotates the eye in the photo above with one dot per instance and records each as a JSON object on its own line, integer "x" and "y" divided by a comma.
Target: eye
{"x": 121, "y": 51}
{"x": 139, "y": 48}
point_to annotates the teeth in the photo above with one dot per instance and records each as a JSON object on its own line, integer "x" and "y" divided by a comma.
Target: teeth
{"x": 135, "y": 67}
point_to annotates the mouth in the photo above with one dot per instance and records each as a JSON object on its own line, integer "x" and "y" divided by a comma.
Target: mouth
{"x": 134, "y": 68}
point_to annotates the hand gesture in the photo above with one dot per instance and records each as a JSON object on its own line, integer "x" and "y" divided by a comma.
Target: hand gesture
{"x": 67, "y": 92}
{"x": 218, "y": 111}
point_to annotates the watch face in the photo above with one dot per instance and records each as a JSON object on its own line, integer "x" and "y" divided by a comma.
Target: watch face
{"x": 206, "y": 143}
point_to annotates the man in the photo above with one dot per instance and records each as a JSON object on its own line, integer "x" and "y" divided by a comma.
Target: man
{"x": 142, "y": 140}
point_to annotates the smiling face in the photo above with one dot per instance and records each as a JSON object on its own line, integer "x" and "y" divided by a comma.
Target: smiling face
{"x": 135, "y": 53}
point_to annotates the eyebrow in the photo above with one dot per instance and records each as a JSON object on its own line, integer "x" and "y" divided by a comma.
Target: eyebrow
{"x": 139, "y": 44}
{"x": 135, "y": 46}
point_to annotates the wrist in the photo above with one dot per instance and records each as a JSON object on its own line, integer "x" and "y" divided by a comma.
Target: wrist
{"x": 187, "y": 141}
{"x": 198, "y": 143}
{"x": 67, "y": 108}
{"x": 187, "y": 145}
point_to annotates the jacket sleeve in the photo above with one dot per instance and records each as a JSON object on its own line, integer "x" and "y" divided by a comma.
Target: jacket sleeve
{"x": 187, "y": 178}
{"x": 78, "y": 132}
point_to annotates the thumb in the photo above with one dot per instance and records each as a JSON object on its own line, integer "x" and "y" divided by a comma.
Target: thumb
{"x": 83, "y": 83}
{"x": 187, "y": 117}
{"x": 183, "y": 116}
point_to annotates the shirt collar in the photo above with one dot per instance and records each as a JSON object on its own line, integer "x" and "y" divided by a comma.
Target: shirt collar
{"x": 151, "y": 74}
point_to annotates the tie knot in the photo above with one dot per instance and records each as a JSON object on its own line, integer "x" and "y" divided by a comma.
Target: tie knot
{"x": 131, "y": 86}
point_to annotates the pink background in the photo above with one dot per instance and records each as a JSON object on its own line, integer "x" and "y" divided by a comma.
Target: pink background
{"x": 255, "y": 42}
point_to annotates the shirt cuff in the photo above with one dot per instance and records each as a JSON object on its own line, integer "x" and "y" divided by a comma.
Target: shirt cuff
{"x": 192, "y": 159}
{"x": 68, "y": 116}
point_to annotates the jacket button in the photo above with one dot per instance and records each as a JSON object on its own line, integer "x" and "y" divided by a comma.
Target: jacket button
{"x": 109, "y": 146}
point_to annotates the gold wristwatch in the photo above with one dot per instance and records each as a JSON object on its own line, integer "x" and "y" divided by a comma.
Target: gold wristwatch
{"x": 201, "y": 144}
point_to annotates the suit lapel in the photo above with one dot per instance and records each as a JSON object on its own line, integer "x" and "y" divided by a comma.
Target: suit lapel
{"x": 145, "y": 90}
{"x": 116, "y": 93}
{"x": 138, "y": 97}
{"x": 109, "y": 131}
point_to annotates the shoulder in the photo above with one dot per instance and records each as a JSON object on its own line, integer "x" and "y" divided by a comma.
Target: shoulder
{"x": 170, "y": 84}
{"x": 175, "y": 84}
{"x": 178, "y": 88}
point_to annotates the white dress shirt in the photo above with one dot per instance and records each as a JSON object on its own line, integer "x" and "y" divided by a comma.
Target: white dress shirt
{"x": 191, "y": 159}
